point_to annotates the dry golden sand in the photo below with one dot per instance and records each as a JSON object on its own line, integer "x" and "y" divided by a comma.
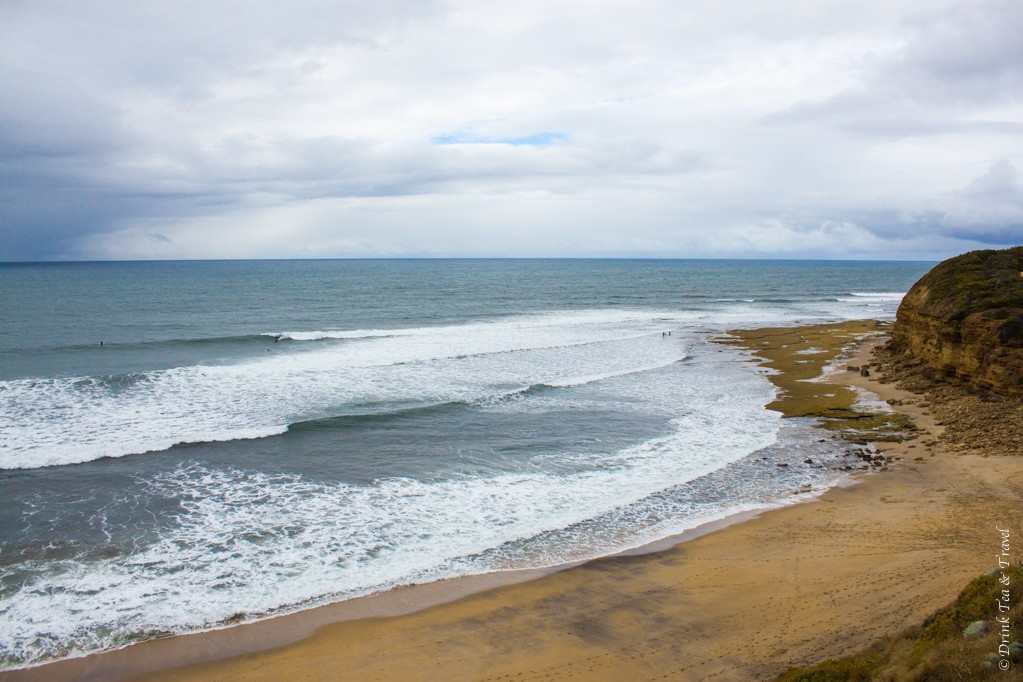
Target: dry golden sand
{"x": 791, "y": 587}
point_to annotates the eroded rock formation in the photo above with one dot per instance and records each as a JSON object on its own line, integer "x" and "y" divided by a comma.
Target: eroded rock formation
{"x": 964, "y": 321}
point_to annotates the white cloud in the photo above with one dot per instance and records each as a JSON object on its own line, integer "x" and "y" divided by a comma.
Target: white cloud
{"x": 582, "y": 128}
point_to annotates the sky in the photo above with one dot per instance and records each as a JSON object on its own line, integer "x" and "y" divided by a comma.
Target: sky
{"x": 875, "y": 129}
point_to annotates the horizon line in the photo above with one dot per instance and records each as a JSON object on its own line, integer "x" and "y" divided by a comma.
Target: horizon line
{"x": 471, "y": 258}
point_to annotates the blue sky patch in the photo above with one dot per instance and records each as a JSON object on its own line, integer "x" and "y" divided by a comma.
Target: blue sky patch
{"x": 540, "y": 139}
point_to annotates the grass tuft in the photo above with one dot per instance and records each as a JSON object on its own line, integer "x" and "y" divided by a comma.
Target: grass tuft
{"x": 950, "y": 646}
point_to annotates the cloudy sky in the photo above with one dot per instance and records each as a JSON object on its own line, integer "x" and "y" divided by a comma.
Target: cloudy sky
{"x": 344, "y": 128}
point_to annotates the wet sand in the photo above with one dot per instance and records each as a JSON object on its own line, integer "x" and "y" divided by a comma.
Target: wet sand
{"x": 789, "y": 587}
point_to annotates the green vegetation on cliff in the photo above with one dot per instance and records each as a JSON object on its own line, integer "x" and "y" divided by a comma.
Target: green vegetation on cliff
{"x": 974, "y": 282}
{"x": 965, "y": 641}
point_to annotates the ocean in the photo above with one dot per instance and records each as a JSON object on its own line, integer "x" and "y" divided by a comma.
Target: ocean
{"x": 185, "y": 445}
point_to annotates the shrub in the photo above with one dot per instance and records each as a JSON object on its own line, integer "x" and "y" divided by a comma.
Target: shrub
{"x": 977, "y": 628}
{"x": 861, "y": 668}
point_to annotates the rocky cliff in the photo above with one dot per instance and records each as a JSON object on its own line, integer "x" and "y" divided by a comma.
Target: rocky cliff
{"x": 964, "y": 321}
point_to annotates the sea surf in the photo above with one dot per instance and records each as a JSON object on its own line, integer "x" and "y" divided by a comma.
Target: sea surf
{"x": 187, "y": 445}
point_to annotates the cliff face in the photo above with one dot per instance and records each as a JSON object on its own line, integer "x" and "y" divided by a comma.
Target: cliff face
{"x": 964, "y": 320}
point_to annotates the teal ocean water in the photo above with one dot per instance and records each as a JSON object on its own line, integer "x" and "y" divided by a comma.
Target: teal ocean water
{"x": 188, "y": 444}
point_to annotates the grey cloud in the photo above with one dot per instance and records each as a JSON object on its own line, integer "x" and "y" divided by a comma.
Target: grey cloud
{"x": 39, "y": 120}
{"x": 69, "y": 143}
{"x": 878, "y": 113}
{"x": 319, "y": 167}
{"x": 179, "y": 45}
{"x": 990, "y": 208}
{"x": 956, "y": 61}
{"x": 1000, "y": 236}
{"x": 1000, "y": 184}
{"x": 968, "y": 53}
{"x": 153, "y": 118}
{"x": 988, "y": 211}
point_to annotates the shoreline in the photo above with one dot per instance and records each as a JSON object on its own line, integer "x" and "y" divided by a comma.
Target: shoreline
{"x": 273, "y": 632}
{"x": 593, "y": 619}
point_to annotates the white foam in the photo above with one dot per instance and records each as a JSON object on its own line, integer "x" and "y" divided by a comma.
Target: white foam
{"x": 70, "y": 420}
{"x": 339, "y": 334}
{"x": 884, "y": 299}
{"x": 886, "y": 295}
{"x": 254, "y": 543}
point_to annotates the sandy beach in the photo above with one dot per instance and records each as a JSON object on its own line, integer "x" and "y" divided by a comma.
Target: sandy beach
{"x": 792, "y": 586}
